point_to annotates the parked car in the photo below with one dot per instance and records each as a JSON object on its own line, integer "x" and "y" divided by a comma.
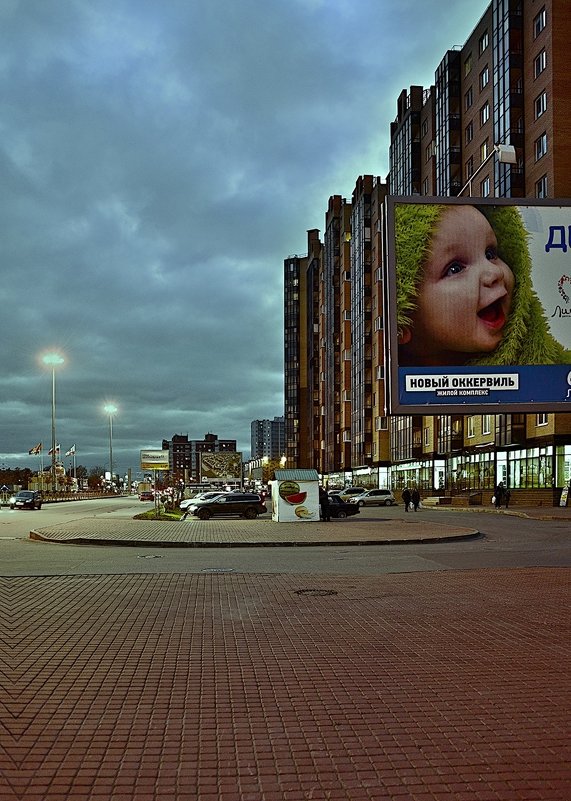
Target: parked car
{"x": 146, "y": 495}
{"x": 244, "y": 504}
{"x": 376, "y": 497}
{"x": 26, "y": 499}
{"x": 341, "y": 509}
{"x": 202, "y": 496}
{"x": 350, "y": 492}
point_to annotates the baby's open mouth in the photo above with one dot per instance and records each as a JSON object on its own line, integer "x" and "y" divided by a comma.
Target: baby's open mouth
{"x": 493, "y": 315}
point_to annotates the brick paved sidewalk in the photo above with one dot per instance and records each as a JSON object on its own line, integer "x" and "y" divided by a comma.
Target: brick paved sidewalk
{"x": 445, "y": 686}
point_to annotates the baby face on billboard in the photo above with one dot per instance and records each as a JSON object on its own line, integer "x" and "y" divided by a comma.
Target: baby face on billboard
{"x": 464, "y": 296}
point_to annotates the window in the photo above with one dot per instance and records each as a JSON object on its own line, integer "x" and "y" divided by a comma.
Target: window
{"x": 484, "y": 150}
{"x": 540, "y": 105}
{"x": 424, "y": 127}
{"x": 541, "y": 187}
{"x": 346, "y": 394}
{"x": 470, "y": 167}
{"x": 468, "y": 65}
{"x": 425, "y": 187}
{"x": 471, "y": 427}
{"x": 427, "y": 435}
{"x": 468, "y": 98}
{"x": 485, "y": 187}
{"x": 378, "y": 323}
{"x": 539, "y": 23}
{"x": 484, "y": 113}
{"x": 381, "y": 424}
{"x": 486, "y": 424}
{"x": 484, "y": 42}
{"x": 484, "y": 77}
{"x": 540, "y": 419}
{"x": 380, "y": 374}
{"x": 539, "y": 64}
{"x": 541, "y": 146}
{"x": 469, "y": 132}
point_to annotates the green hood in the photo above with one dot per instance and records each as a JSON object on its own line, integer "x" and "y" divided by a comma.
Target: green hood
{"x": 527, "y": 339}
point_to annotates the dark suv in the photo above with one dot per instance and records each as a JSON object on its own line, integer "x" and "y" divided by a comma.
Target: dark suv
{"x": 26, "y": 499}
{"x": 245, "y": 504}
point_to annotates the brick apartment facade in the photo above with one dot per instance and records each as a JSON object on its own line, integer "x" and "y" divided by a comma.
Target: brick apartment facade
{"x": 508, "y": 84}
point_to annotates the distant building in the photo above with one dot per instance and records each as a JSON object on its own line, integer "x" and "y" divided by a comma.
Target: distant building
{"x": 184, "y": 454}
{"x": 268, "y": 438}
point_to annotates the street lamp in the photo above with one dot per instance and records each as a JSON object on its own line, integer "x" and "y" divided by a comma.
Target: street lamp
{"x": 110, "y": 409}
{"x": 506, "y": 155}
{"x": 53, "y": 360}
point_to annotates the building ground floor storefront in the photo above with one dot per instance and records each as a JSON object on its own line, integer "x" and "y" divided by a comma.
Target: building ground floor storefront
{"x": 535, "y": 476}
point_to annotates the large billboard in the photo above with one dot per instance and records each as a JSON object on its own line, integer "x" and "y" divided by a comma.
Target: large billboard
{"x": 154, "y": 460}
{"x": 478, "y": 305}
{"x": 223, "y": 466}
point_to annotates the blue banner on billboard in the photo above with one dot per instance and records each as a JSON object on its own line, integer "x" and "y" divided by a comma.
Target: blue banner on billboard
{"x": 466, "y": 386}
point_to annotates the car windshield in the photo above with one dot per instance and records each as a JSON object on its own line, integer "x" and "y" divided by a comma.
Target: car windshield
{"x": 25, "y": 494}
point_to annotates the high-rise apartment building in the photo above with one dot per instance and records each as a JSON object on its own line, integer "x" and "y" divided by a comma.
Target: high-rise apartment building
{"x": 508, "y": 85}
{"x": 267, "y": 438}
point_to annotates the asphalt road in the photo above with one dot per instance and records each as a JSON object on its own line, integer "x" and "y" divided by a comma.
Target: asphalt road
{"x": 506, "y": 542}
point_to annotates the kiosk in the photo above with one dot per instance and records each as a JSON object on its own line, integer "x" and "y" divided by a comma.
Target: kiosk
{"x": 295, "y": 496}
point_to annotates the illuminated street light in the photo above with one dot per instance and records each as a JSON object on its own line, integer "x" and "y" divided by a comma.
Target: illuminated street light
{"x": 53, "y": 360}
{"x": 110, "y": 409}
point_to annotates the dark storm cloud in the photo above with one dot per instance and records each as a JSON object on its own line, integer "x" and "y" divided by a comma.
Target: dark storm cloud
{"x": 158, "y": 161}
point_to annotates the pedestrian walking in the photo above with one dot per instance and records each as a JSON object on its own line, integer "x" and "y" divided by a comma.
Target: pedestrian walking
{"x": 406, "y": 497}
{"x": 415, "y": 498}
{"x": 507, "y": 497}
{"x": 324, "y": 504}
{"x": 499, "y": 495}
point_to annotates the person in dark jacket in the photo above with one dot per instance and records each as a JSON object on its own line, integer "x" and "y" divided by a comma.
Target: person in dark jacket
{"x": 406, "y": 497}
{"x": 500, "y": 492}
{"x": 324, "y": 504}
{"x": 415, "y": 498}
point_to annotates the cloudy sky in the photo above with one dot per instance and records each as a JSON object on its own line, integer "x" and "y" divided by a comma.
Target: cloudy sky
{"x": 158, "y": 161}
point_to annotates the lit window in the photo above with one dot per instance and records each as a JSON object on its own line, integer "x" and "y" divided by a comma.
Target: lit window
{"x": 486, "y": 424}
{"x": 471, "y": 427}
{"x": 539, "y": 23}
{"x": 541, "y": 420}
{"x": 539, "y": 63}
{"x": 485, "y": 187}
{"x": 484, "y": 150}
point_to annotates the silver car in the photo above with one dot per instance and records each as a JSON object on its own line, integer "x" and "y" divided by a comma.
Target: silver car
{"x": 376, "y": 497}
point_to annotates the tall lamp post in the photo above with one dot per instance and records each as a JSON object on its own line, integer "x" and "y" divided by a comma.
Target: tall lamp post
{"x": 53, "y": 360}
{"x": 506, "y": 155}
{"x": 110, "y": 409}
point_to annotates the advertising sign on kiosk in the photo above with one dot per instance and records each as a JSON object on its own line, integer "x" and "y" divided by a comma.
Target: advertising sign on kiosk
{"x": 295, "y": 496}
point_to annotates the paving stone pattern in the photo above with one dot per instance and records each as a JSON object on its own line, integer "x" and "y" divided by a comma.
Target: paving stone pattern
{"x": 445, "y": 686}
{"x": 234, "y": 532}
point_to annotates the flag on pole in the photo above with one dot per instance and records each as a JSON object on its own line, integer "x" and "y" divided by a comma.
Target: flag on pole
{"x": 51, "y": 450}
{"x": 71, "y": 451}
{"x": 36, "y": 449}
